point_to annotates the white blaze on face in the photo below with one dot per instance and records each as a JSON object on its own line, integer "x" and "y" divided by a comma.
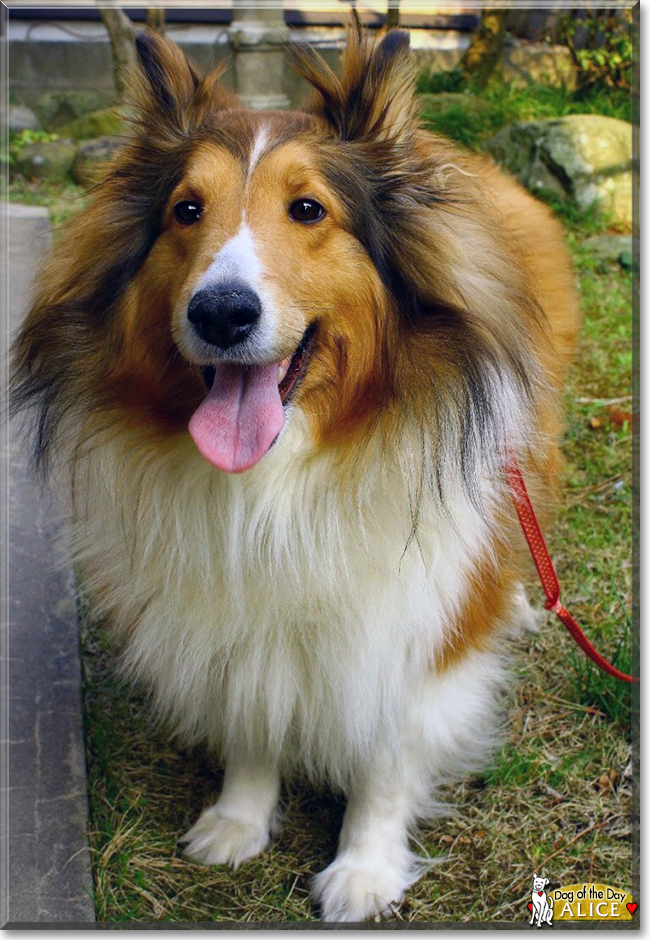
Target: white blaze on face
{"x": 238, "y": 261}
{"x": 258, "y": 148}
{"x": 236, "y": 264}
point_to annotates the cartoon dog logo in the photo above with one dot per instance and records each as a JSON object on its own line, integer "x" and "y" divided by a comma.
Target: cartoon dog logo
{"x": 542, "y": 907}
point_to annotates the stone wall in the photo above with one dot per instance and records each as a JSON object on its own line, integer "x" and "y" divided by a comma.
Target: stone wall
{"x": 69, "y": 55}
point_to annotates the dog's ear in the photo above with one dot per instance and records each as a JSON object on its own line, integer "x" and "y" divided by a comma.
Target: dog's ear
{"x": 170, "y": 81}
{"x": 374, "y": 97}
{"x": 169, "y": 91}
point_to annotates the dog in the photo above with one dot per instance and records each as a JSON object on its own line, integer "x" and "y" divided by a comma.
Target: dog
{"x": 542, "y": 906}
{"x": 277, "y": 362}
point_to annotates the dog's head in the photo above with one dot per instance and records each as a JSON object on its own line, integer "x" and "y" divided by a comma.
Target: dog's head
{"x": 237, "y": 264}
{"x": 539, "y": 883}
{"x": 271, "y": 249}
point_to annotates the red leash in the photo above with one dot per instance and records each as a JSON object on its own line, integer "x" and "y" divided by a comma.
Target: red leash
{"x": 545, "y": 569}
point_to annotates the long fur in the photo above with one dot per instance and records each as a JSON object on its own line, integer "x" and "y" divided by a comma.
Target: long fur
{"x": 340, "y": 608}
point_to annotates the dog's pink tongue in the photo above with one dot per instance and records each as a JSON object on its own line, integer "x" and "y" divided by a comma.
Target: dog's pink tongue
{"x": 241, "y": 417}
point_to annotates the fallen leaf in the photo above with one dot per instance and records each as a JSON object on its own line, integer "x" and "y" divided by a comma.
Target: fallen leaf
{"x": 594, "y": 423}
{"x": 606, "y": 781}
{"x": 618, "y": 417}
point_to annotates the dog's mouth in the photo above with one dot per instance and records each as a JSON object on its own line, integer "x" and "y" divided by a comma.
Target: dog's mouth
{"x": 244, "y": 410}
{"x": 290, "y": 370}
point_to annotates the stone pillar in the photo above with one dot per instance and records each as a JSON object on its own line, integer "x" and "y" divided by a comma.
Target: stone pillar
{"x": 257, "y": 37}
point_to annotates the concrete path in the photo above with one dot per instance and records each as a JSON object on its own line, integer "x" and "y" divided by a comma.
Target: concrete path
{"x": 45, "y": 859}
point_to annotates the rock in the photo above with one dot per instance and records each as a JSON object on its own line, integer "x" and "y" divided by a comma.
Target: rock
{"x": 22, "y": 119}
{"x": 611, "y": 248}
{"x": 526, "y": 62}
{"x": 583, "y": 157}
{"x": 47, "y": 161}
{"x": 58, "y": 108}
{"x": 93, "y": 158}
{"x": 94, "y": 124}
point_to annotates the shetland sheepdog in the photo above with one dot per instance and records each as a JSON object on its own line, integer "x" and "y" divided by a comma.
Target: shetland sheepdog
{"x": 279, "y": 359}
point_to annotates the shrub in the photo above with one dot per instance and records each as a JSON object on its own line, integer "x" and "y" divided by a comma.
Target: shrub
{"x": 600, "y": 42}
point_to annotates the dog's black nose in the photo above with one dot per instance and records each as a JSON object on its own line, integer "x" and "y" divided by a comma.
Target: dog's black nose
{"x": 224, "y": 316}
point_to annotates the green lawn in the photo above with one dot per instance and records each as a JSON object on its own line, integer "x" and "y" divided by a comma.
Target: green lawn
{"x": 558, "y": 795}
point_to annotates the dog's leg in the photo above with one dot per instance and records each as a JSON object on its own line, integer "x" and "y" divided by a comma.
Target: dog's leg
{"x": 239, "y": 825}
{"x": 448, "y": 729}
{"x": 374, "y": 866}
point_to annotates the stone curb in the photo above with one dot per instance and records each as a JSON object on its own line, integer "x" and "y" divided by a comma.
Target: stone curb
{"x": 45, "y": 842}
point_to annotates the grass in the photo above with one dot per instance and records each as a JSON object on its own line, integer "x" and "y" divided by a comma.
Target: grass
{"x": 472, "y": 116}
{"x": 557, "y": 797}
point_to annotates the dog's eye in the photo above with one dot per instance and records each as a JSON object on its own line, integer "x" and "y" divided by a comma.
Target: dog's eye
{"x": 187, "y": 212}
{"x": 306, "y": 210}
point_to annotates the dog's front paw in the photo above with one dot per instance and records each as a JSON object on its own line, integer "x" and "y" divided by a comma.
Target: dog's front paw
{"x": 354, "y": 888}
{"x": 217, "y": 839}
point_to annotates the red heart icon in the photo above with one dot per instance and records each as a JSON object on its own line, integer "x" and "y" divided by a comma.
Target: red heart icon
{"x": 540, "y": 893}
{"x": 530, "y": 906}
{"x": 631, "y": 907}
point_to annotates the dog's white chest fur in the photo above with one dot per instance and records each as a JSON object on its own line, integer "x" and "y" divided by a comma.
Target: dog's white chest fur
{"x": 275, "y": 611}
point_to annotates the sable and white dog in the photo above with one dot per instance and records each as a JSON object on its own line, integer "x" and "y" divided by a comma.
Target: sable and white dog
{"x": 542, "y": 906}
{"x": 279, "y": 358}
